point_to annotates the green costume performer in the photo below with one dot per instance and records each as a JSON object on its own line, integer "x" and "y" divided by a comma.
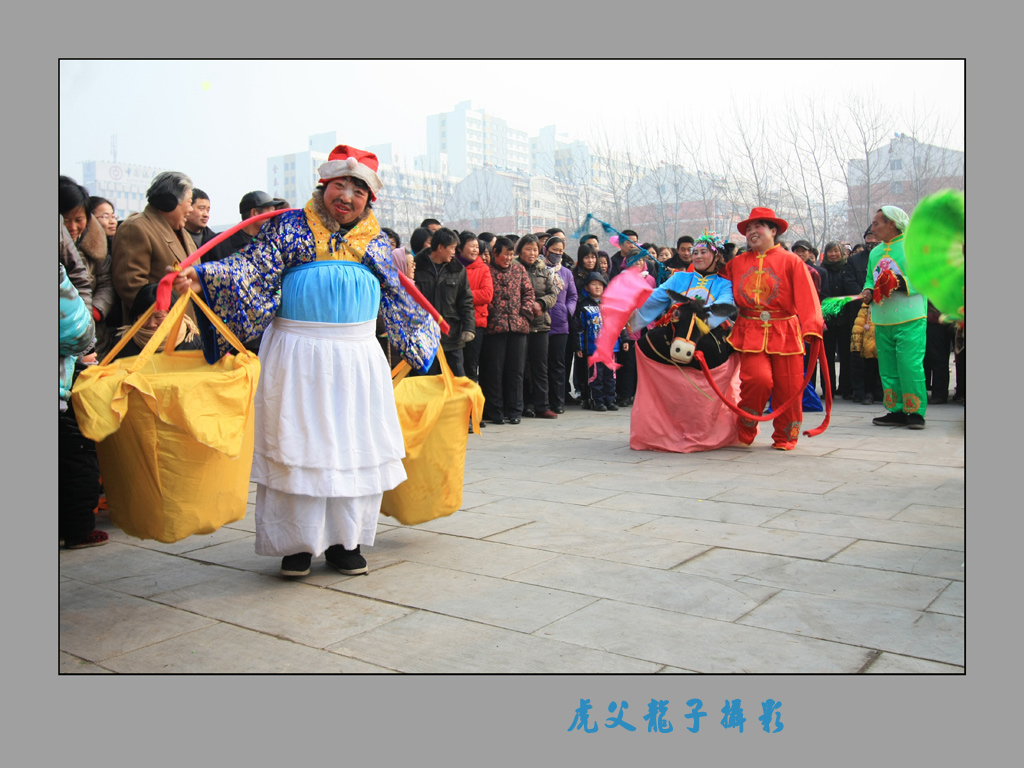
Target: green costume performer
{"x": 899, "y": 314}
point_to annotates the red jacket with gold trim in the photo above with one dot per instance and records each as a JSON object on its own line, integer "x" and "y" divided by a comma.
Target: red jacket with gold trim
{"x": 778, "y": 306}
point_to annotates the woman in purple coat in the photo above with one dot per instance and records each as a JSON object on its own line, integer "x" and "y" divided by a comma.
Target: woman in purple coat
{"x": 565, "y": 307}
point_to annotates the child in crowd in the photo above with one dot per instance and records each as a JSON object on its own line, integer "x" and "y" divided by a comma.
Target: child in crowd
{"x": 602, "y": 388}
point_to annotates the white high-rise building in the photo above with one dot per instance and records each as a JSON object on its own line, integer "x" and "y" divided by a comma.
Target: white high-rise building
{"x": 475, "y": 138}
{"x": 293, "y": 177}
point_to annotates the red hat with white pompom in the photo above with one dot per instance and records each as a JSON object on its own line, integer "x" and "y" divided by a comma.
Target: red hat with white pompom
{"x": 357, "y": 163}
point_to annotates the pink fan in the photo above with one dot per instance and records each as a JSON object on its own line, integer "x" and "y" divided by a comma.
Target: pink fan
{"x": 627, "y": 291}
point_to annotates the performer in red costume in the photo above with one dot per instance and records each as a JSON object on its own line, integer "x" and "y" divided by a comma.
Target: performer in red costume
{"x": 778, "y": 312}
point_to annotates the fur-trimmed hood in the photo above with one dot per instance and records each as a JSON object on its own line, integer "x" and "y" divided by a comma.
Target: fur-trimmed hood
{"x": 92, "y": 243}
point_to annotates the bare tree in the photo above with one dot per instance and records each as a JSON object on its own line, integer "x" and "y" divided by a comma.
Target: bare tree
{"x": 807, "y": 174}
{"x": 861, "y": 126}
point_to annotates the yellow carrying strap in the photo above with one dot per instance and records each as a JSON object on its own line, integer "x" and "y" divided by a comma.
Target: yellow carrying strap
{"x": 169, "y": 329}
{"x": 403, "y": 369}
{"x": 421, "y": 401}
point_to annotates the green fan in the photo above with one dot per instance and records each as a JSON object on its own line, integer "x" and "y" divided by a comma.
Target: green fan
{"x": 934, "y": 246}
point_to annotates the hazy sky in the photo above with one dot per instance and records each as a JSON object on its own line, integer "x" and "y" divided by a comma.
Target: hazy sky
{"x": 218, "y": 121}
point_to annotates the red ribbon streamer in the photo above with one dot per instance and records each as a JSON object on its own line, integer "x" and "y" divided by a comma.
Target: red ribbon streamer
{"x": 163, "y": 290}
{"x": 817, "y": 353}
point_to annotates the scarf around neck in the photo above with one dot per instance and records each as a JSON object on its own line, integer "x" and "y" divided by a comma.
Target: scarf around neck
{"x": 331, "y": 243}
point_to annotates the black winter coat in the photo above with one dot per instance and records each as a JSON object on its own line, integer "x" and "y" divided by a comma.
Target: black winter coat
{"x": 446, "y": 287}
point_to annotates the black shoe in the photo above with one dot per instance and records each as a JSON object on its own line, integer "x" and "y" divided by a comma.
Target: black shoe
{"x": 570, "y": 400}
{"x": 959, "y": 399}
{"x": 893, "y": 419}
{"x": 347, "y": 561}
{"x": 515, "y": 420}
{"x": 915, "y": 421}
{"x": 296, "y": 565}
{"x": 935, "y": 400}
{"x": 558, "y": 409}
{"x": 482, "y": 424}
{"x": 613, "y": 407}
{"x": 868, "y": 400}
{"x": 588, "y": 405}
{"x": 599, "y": 407}
{"x": 529, "y": 413}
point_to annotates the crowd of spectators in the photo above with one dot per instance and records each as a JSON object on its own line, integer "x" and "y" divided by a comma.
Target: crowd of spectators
{"x": 515, "y": 303}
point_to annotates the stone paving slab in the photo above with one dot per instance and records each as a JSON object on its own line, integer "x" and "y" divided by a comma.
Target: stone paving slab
{"x": 669, "y": 590}
{"x": 428, "y": 643}
{"x": 890, "y": 453}
{"x": 859, "y": 501}
{"x": 98, "y": 623}
{"x": 921, "y": 513}
{"x": 951, "y": 601}
{"x": 114, "y": 561}
{"x": 248, "y": 523}
{"x": 694, "y": 509}
{"x": 799, "y": 482}
{"x": 672, "y": 489}
{"x": 476, "y": 524}
{"x": 603, "y": 545}
{"x": 187, "y": 573}
{"x": 891, "y": 663}
{"x": 699, "y": 644}
{"x": 72, "y": 665}
{"x": 592, "y": 517}
{"x": 226, "y": 649}
{"x": 508, "y": 604}
{"x": 924, "y": 635}
{"x": 179, "y": 547}
{"x": 941, "y": 563}
{"x": 852, "y": 582}
{"x": 732, "y": 564}
{"x": 756, "y": 539}
{"x": 287, "y": 609}
{"x": 484, "y": 557}
{"x": 894, "y": 532}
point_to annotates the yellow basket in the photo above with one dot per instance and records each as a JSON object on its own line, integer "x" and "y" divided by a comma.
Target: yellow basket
{"x": 174, "y": 434}
{"x": 434, "y": 412}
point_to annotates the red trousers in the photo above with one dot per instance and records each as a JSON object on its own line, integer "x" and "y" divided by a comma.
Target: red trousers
{"x": 779, "y": 377}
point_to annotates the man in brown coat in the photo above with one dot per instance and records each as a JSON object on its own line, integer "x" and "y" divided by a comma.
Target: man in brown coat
{"x": 147, "y": 243}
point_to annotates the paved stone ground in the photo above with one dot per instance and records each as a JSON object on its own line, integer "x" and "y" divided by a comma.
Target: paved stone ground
{"x": 572, "y": 553}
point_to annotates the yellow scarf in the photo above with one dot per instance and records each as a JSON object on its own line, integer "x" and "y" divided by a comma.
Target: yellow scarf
{"x": 331, "y": 248}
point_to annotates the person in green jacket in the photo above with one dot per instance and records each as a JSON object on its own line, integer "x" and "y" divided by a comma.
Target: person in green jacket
{"x": 900, "y": 316}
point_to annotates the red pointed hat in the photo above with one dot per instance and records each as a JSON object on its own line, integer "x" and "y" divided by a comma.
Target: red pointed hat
{"x": 349, "y": 161}
{"x": 763, "y": 214}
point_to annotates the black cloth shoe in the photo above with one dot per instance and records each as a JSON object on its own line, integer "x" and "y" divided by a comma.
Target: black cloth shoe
{"x": 868, "y": 400}
{"x": 296, "y": 565}
{"x": 893, "y": 419}
{"x": 614, "y": 407}
{"x": 915, "y": 421}
{"x": 347, "y": 561}
{"x": 599, "y": 407}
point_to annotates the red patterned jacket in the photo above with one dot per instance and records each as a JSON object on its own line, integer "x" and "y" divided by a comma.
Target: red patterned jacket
{"x": 511, "y": 309}
{"x": 778, "y": 306}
